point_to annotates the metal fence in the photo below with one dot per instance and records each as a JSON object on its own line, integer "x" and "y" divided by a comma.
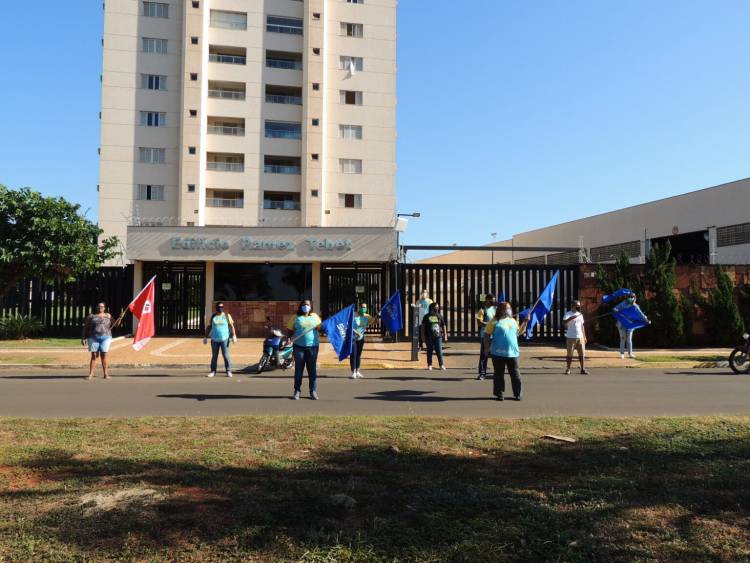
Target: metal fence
{"x": 63, "y": 306}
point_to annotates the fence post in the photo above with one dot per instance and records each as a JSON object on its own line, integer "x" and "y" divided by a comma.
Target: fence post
{"x": 415, "y": 335}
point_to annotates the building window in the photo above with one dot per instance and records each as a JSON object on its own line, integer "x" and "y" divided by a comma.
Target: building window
{"x": 315, "y": 121}
{"x": 283, "y": 201}
{"x": 316, "y": 86}
{"x": 153, "y": 82}
{"x": 150, "y": 155}
{"x": 278, "y": 24}
{"x": 283, "y": 95}
{"x": 614, "y": 251}
{"x": 196, "y": 4}
{"x": 350, "y": 131}
{"x": 153, "y": 45}
{"x": 314, "y": 193}
{"x": 352, "y": 64}
{"x": 194, "y": 40}
{"x": 352, "y": 29}
{"x": 193, "y": 113}
{"x": 350, "y": 201}
{"x": 153, "y": 119}
{"x": 228, "y": 20}
{"x": 315, "y": 156}
{"x": 351, "y": 98}
{"x": 191, "y": 187}
{"x": 193, "y": 76}
{"x": 733, "y": 235}
{"x": 283, "y": 130}
{"x": 149, "y": 192}
{"x": 191, "y": 150}
{"x": 155, "y": 10}
{"x": 350, "y": 165}
{"x": 282, "y": 165}
{"x": 283, "y": 59}
{"x": 262, "y": 282}
{"x": 355, "y": 1}
{"x": 233, "y": 199}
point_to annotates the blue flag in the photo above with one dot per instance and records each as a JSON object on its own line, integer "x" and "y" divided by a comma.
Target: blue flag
{"x": 340, "y": 331}
{"x": 619, "y": 294}
{"x": 631, "y": 318}
{"x": 543, "y": 306}
{"x": 391, "y": 313}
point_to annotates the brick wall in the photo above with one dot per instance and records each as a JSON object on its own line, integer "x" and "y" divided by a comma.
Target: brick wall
{"x": 250, "y": 316}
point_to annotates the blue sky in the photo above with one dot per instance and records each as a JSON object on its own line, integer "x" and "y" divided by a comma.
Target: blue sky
{"x": 513, "y": 115}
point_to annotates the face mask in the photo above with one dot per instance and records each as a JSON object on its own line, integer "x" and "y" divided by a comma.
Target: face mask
{"x": 508, "y": 312}
{"x": 631, "y": 299}
{"x": 306, "y": 308}
{"x": 363, "y": 310}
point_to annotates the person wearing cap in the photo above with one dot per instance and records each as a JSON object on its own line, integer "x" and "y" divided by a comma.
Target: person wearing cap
{"x": 220, "y": 329}
{"x": 575, "y": 336}
{"x": 484, "y": 316}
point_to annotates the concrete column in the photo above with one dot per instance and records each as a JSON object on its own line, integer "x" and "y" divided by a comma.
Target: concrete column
{"x": 316, "y": 286}
{"x": 209, "y": 290}
{"x": 137, "y": 286}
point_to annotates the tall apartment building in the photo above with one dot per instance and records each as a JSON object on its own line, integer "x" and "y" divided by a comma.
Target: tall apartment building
{"x": 248, "y": 149}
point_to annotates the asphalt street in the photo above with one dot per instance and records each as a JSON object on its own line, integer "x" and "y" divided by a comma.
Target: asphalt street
{"x": 452, "y": 393}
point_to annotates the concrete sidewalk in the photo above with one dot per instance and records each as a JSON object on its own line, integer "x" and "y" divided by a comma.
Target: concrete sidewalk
{"x": 192, "y": 353}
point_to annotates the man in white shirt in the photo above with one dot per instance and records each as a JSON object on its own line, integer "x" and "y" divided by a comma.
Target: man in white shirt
{"x": 575, "y": 336}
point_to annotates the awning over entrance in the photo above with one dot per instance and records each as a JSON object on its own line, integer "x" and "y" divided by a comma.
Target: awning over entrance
{"x": 248, "y": 244}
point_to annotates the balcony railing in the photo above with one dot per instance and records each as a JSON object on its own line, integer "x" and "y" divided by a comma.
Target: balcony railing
{"x": 226, "y": 94}
{"x": 283, "y": 134}
{"x": 280, "y": 28}
{"x": 281, "y": 169}
{"x": 228, "y": 24}
{"x": 283, "y": 63}
{"x": 225, "y": 166}
{"x": 227, "y": 59}
{"x": 283, "y": 99}
{"x": 226, "y": 130}
{"x": 225, "y": 202}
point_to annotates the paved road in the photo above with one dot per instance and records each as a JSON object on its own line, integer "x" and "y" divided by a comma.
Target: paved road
{"x": 624, "y": 392}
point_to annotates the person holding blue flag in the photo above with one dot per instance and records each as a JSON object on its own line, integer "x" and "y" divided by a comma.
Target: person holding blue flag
{"x": 501, "y": 344}
{"x": 304, "y": 330}
{"x": 629, "y": 317}
{"x": 361, "y": 322}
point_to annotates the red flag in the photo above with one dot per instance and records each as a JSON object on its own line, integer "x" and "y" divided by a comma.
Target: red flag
{"x": 142, "y": 308}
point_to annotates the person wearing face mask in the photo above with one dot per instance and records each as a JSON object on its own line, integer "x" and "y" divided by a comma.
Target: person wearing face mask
{"x": 434, "y": 334}
{"x": 361, "y": 322}
{"x": 423, "y": 306}
{"x": 626, "y": 335}
{"x": 501, "y": 344}
{"x": 484, "y": 316}
{"x": 220, "y": 329}
{"x": 304, "y": 330}
{"x": 575, "y": 336}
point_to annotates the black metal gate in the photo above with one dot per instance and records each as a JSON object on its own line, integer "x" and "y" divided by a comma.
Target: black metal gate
{"x": 458, "y": 288}
{"x": 180, "y": 296}
{"x": 344, "y": 284}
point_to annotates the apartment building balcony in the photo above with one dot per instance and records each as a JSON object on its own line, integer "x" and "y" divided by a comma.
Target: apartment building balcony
{"x": 283, "y": 95}
{"x": 283, "y": 130}
{"x": 284, "y": 60}
{"x": 282, "y": 165}
{"x": 234, "y": 127}
{"x": 227, "y": 55}
{"x": 225, "y": 162}
{"x": 226, "y": 90}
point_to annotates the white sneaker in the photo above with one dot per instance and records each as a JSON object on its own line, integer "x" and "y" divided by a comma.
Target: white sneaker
{"x": 211, "y": 374}
{"x": 622, "y": 356}
{"x": 443, "y": 368}
{"x": 229, "y": 374}
{"x": 429, "y": 368}
{"x": 631, "y": 356}
{"x": 353, "y": 375}
{"x": 359, "y": 375}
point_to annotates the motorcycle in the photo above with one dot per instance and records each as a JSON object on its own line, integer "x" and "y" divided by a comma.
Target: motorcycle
{"x": 277, "y": 351}
{"x": 739, "y": 359}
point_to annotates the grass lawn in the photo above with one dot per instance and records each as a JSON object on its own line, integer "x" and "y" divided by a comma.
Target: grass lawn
{"x": 6, "y": 359}
{"x": 684, "y": 358}
{"x": 374, "y": 489}
{"x": 42, "y": 343}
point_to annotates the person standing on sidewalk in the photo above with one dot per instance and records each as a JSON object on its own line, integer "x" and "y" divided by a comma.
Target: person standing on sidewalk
{"x": 501, "y": 344}
{"x": 626, "y": 334}
{"x": 423, "y": 305}
{"x": 220, "y": 329}
{"x": 484, "y": 316}
{"x": 97, "y": 333}
{"x": 303, "y": 328}
{"x": 434, "y": 334}
{"x": 575, "y": 337}
{"x": 361, "y": 322}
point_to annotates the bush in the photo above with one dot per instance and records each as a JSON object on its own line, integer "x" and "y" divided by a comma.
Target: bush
{"x": 724, "y": 316}
{"x": 18, "y": 327}
{"x": 662, "y": 307}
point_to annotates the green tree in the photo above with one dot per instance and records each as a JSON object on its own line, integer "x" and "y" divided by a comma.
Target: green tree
{"x": 662, "y": 307}
{"x": 724, "y": 315}
{"x": 621, "y": 275}
{"x": 46, "y": 238}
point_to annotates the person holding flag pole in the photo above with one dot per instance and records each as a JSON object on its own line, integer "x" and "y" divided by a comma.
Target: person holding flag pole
{"x": 304, "y": 329}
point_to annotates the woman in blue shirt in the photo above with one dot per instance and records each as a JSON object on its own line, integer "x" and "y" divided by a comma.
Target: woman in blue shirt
{"x": 361, "y": 322}
{"x": 501, "y": 344}
{"x": 303, "y": 328}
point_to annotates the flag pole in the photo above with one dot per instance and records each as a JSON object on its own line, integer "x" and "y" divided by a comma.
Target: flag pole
{"x": 141, "y": 291}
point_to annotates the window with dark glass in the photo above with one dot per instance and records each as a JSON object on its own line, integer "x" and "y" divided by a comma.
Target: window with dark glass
{"x": 262, "y": 282}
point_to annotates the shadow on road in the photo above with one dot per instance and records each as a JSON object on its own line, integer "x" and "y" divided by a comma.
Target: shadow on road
{"x": 417, "y": 397}
{"x": 204, "y": 397}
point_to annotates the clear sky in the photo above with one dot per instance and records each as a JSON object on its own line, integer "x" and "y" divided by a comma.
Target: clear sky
{"x": 513, "y": 115}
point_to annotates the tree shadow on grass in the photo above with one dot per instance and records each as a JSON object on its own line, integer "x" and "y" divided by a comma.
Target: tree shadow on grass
{"x": 621, "y": 498}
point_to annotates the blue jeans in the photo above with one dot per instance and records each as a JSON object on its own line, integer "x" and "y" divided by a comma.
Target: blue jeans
{"x": 434, "y": 345}
{"x": 224, "y": 347}
{"x": 355, "y": 360}
{"x": 482, "y": 357}
{"x": 626, "y": 340}
{"x": 305, "y": 356}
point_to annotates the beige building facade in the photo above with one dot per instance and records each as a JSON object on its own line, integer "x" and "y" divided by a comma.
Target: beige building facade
{"x": 248, "y": 114}
{"x": 708, "y": 226}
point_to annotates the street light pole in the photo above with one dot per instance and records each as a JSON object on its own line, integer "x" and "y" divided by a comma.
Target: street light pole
{"x": 399, "y": 255}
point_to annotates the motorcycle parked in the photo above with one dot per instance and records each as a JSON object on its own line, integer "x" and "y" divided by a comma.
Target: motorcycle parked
{"x": 739, "y": 359}
{"x": 277, "y": 350}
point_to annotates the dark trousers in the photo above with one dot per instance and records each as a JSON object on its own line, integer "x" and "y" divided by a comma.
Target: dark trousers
{"x": 434, "y": 345}
{"x": 305, "y": 356}
{"x": 224, "y": 347}
{"x": 499, "y": 364}
{"x": 355, "y": 360}
{"x": 482, "y": 358}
